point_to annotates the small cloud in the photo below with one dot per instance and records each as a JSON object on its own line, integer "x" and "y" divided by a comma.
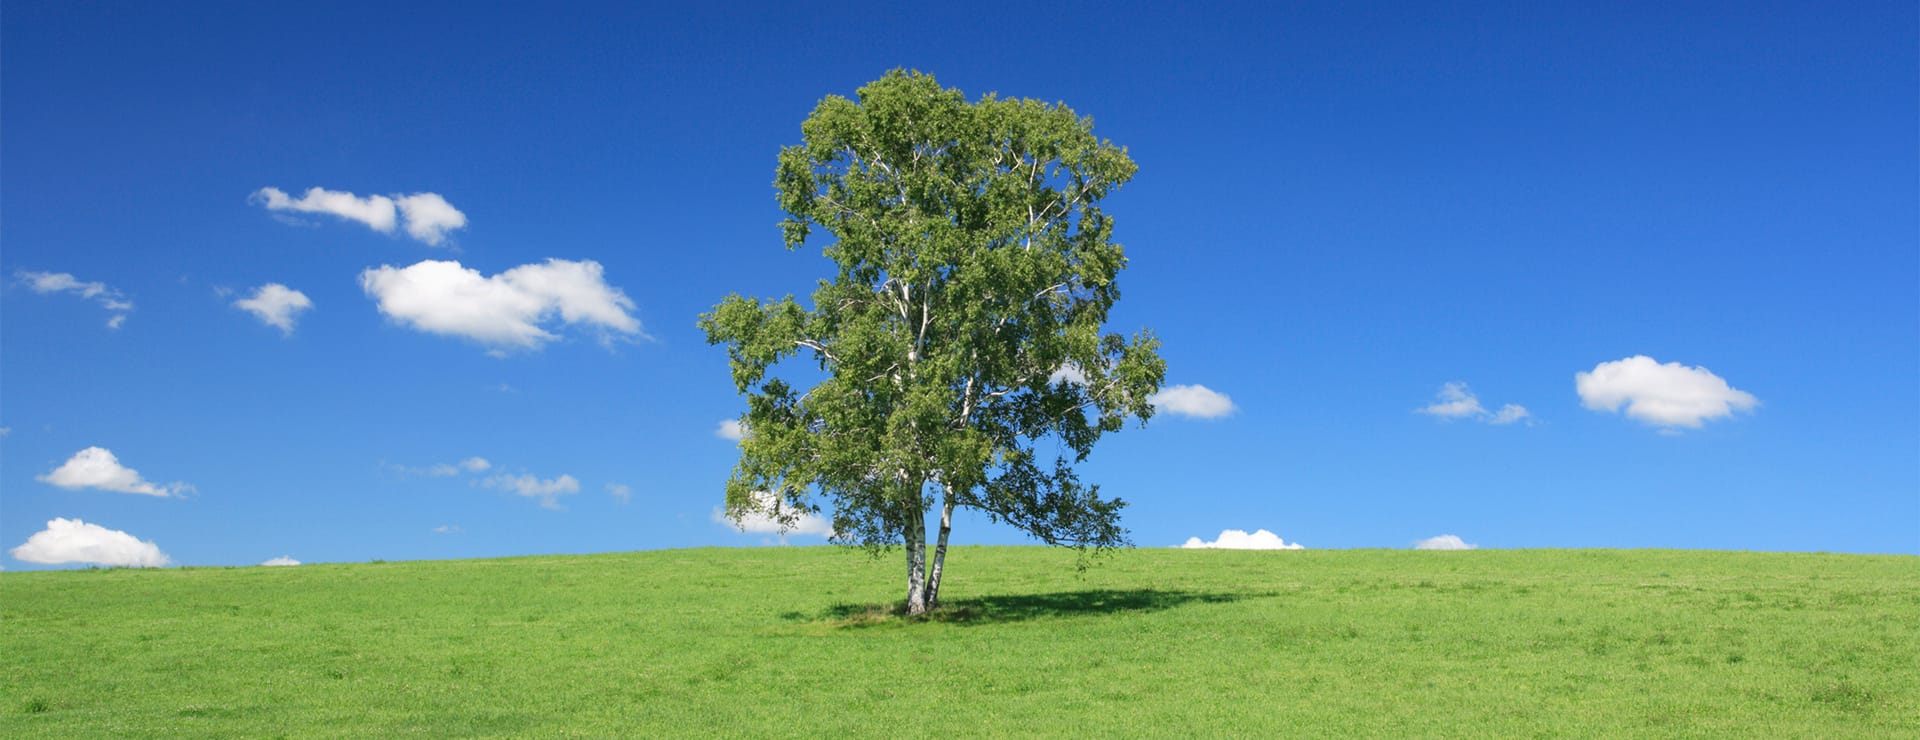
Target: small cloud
{"x": 548, "y": 491}
{"x": 447, "y": 529}
{"x": 1197, "y": 401}
{"x": 1068, "y": 373}
{"x": 1238, "y": 539}
{"x": 96, "y": 467}
{"x": 1666, "y": 396}
{"x": 620, "y": 492}
{"x": 4, "y": 431}
{"x": 505, "y": 312}
{"x": 282, "y": 560}
{"x": 445, "y": 470}
{"x": 730, "y": 429}
{"x": 1456, "y": 401}
{"x": 768, "y": 515}
{"x": 60, "y": 282}
{"x": 74, "y": 541}
{"x": 1444, "y": 542}
{"x": 428, "y": 216}
{"x": 475, "y": 464}
{"x": 276, "y": 305}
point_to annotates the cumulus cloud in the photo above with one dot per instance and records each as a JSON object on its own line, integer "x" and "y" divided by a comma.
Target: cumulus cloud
{"x": 282, "y": 560}
{"x": 275, "y": 305}
{"x": 620, "y": 492}
{"x": 96, "y": 467}
{"x": 75, "y": 541}
{"x": 59, "y": 282}
{"x": 1197, "y": 401}
{"x": 1444, "y": 542}
{"x": 504, "y": 311}
{"x": 428, "y": 216}
{"x": 1667, "y": 396}
{"x": 730, "y": 429}
{"x": 1068, "y": 373}
{"x": 769, "y": 516}
{"x": 548, "y": 491}
{"x": 1456, "y": 401}
{"x": 1238, "y": 539}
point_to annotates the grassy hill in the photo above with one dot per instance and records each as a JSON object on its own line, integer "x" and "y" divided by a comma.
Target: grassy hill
{"x": 793, "y": 641}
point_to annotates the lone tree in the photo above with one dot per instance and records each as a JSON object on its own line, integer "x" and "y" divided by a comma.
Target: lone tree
{"x": 962, "y": 331}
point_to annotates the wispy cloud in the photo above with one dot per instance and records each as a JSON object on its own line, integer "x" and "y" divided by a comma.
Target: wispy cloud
{"x": 503, "y": 312}
{"x": 74, "y": 541}
{"x": 547, "y": 491}
{"x": 1197, "y": 401}
{"x": 276, "y": 305}
{"x": 98, "y": 468}
{"x": 1666, "y": 396}
{"x": 1238, "y": 539}
{"x": 428, "y": 216}
{"x": 620, "y": 492}
{"x": 112, "y": 300}
{"x": 1456, "y": 401}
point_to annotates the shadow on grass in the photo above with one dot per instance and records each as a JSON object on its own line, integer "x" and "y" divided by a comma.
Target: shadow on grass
{"x": 1016, "y": 608}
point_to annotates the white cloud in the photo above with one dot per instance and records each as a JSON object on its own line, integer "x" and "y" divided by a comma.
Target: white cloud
{"x": 60, "y": 282}
{"x": 1443, "y": 542}
{"x": 1070, "y": 373}
{"x": 763, "y": 519}
{"x": 96, "y": 467}
{"x": 276, "y": 305}
{"x": 447, "y": 529}
{"x": 282, "y": 560}
{"x": 1667, "y": 396}
{"x": 504, "y": 311}
{"x": 1238, "y": 539}
{"x": 475, "y": 465}
{"x": 548, "y": 491}
{"x": 75, "y": 541}
{"x": 1197, "y": 401}
{"x": 1456, "y": 401}
{"x": 620, "y": 492}
{"x": 428, "y": 216}
{"x": 730, "y": 429}
{"x": 376, "y": 211}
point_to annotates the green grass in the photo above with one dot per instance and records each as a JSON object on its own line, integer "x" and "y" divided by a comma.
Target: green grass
{"x": 1160, "y": 642}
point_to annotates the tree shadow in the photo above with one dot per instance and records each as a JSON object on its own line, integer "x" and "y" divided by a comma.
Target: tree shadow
{"x": 1019, "y": 607}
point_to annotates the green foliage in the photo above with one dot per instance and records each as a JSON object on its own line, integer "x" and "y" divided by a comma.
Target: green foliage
{"x": 973, "y": 262}
{"x": 806, "y": 642}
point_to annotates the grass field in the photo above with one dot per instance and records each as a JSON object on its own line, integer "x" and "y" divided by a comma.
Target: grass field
{"x": 795, "y": 641}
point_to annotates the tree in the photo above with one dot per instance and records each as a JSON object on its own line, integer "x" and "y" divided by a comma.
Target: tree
{"x": 962, "y": 330}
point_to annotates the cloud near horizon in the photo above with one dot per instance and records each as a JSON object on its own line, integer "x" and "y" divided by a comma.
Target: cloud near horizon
{"x": 1197, "y": 401}
{"x": 67, "y": 541}
{"x": 763, "y": 520}
{"x": 1667, "y": 395}
{"x": 1444, "y": 542}
{"x": 96, "y": 467}
{"x": 428, "y": 216}
{"x": 276, "y": 305}
{"x": 112, "y": 300}
{"x": 280, "y": 562}
{"x": 505, "y": 311}
{"x": 1238, "y": 539}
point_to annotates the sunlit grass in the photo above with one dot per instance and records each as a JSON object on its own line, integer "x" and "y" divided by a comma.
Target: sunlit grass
{"x": 809, "y": 642}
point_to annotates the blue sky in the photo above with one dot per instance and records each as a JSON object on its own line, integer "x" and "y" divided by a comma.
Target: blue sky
{"x": 1371, "y": 229}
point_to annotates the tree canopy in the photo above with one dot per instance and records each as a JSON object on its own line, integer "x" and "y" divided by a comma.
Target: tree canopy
{"x": 961, "y": 341}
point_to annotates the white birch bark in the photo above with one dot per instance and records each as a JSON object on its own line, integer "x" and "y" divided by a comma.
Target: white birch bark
{"x": 940, "y": 552}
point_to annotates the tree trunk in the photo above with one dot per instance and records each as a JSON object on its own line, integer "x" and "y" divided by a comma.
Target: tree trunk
{"x": 916, "y": 537}
{"x": 940, "y": 551}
